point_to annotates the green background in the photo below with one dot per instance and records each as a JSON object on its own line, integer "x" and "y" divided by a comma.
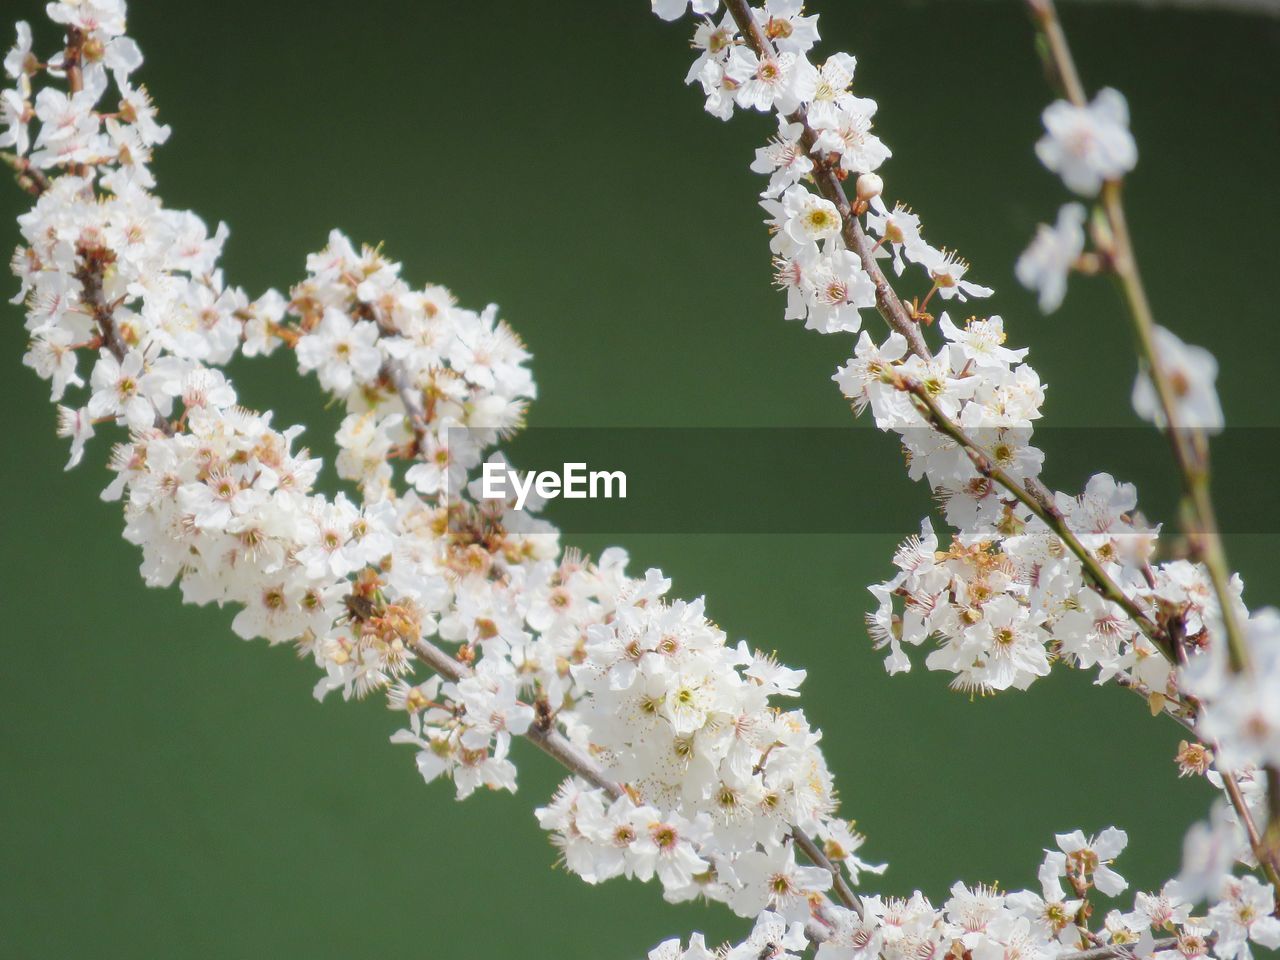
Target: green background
{"x": 171, "y": 791}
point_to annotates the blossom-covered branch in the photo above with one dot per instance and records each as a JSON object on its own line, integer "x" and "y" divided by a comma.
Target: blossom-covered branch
{"x": 686, "y": 767}
{"x": 1029, "y": 575}
{"x": 828, "y": 176}
{"x": 1175, "y": 391}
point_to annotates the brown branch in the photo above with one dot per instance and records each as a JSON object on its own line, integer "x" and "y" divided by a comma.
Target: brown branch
{"x": 549, "y": 740}
{"x": 1188, "y": 445}
{"x": 93, "y": 261}
{"x": 1119, "y": 951}
{"x": 73, "y": 59}
{"x": 411, "y": 397}
{"x": 29, "y": 177}
{"x": 1261, "y": 853}
{"x": 819, "y": 859}
{"x": 577, "y": 761}
{"x": 1190, "y": 449}
{"x": 1055, "y": 53}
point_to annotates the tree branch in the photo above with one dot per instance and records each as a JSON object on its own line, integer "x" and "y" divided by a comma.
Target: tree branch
{"x": 549, "y": 740}
{"x": 1269, "y": 8}
{"x": 1189, "y": 445}
{"x": 29, "y": 178}
{"x": 1189, "y": 448}
{"x": 819, "y": 859}
{"x": 1119, "y": 951}
{"x": 895, "y": 313}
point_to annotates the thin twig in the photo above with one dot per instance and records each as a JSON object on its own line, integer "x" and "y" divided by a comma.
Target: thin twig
{"x": 569, "y": 755}
{"x": 549, "y": 740}
{"x": 1260, "y": 852}
{"x": 92, "y": 262}
{"x": 1119, "y": 951}
{"x": 1189, "y": 446}
{"x": 90, "y": 275}
{"x": 410, "y": 395}
{"x": 820, "y": 859}
{"x": 1189, "y": 449}
{"x": 577, "y": 761}
{"x": 28, "y": 176}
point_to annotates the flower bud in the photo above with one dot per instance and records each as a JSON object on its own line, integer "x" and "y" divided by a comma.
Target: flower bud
{"x": 869, "y": 185}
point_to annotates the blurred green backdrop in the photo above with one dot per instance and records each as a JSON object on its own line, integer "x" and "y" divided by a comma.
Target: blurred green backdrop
{"x": 171, "y": 791}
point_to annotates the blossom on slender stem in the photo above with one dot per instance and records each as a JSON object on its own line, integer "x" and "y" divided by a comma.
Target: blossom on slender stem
{"x": 1088, "y": 859}
{"x": 1044, "y": 266}
{"x": 1087, "y": 145}
{"x": 1191, "y": 372}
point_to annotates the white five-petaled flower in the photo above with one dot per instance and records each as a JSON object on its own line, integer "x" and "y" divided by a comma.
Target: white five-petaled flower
{"x": 1190, "y": 372}
{"x": 900, "y": 228}
{"x": 343, "y": 353}
{"x": 947, "y": 270}
{"x": 770, "y": 82}
{"x": 1089, "y": 858}
{"x": 981, "y": 342}
{"x": 1245, "y": 913}
{"x": 675, "y": 9}
{"x": 117, "y": 390}
{"x": 784, "y": 158}
{"x": 809, "y": 217}
{"x": 1045, "y": 264}
{"x": 1088, "y": 145}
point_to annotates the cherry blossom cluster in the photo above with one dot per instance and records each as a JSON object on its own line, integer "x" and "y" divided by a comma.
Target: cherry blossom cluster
{"x": 1028, "y": 576}
{"x": 985, "y": 923}
{"x": 688, "y": 723}
{"x": 716, "y": 775}
{"x": 356, "y": 321}
{"x": 695, "y": 774}
{"x": 974, "y": 380}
